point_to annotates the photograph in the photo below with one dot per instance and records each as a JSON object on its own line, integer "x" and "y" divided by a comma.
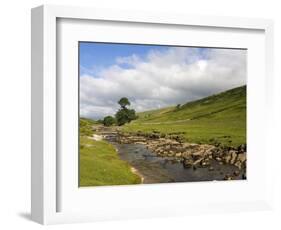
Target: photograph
{"x": 157, "y": 113}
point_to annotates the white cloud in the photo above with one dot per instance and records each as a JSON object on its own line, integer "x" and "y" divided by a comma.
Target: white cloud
{"x": 130, "y": 60}
{"x": 162, "y": 78}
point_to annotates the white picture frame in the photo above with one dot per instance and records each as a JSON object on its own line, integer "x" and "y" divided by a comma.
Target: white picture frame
{"x": 46, "y": 175}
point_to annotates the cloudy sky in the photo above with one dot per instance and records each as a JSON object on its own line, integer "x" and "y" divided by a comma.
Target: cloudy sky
{"x": 153, "y": 76}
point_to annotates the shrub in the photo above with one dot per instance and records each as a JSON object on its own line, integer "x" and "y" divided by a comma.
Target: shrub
{"x": 108, "y": 121}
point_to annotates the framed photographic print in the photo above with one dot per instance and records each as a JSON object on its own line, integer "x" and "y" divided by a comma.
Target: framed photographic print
{"x": 138, "y": 115}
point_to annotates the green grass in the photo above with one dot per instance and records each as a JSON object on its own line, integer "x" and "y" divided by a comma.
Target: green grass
{"x": 220, "y": 118}
{"x": 100, "y": 165}
{"x": 86, "y": 126}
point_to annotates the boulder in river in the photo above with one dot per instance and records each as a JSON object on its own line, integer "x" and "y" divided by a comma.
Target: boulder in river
{"x": 236, "y": 173}
{"x": 240, "y": 160}
{"x": 227, "y": 177}
{"x": 233, "y": 156}
{"x": 211, "y": 168}
{"x": 205, "y": 163}
{"x": 187, "y": 163}
{"x": 179, "y": 154}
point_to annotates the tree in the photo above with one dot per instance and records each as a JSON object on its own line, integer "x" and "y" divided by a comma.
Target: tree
{"x": 131, "y": 115}
{"x": 123, "y": 102}
{"x": 108, "y": 121}
{"x": 125, "y": 115}
{"x": 121, "y": 117}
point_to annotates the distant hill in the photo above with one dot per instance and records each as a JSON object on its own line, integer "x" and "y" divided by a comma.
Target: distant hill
{"x": 217, "y": 118}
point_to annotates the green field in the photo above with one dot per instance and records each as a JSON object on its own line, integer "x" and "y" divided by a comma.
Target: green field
{"x": 99, "y": 161}
{"x": 219, "y": 118}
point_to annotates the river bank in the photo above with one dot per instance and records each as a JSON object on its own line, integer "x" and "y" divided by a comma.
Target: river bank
{"x": 101, "y": 165}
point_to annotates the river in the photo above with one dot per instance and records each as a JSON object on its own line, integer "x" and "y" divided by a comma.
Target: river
{"x": 156, "y": 169}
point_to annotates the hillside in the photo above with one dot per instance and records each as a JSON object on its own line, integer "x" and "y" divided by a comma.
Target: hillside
{"x": 85, "y": 126}
{"x": 220, "y": 118}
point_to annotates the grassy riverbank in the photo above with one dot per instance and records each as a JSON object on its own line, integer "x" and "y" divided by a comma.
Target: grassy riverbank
{"x": 100, "y": 163}
{"x": 219, "y": 118}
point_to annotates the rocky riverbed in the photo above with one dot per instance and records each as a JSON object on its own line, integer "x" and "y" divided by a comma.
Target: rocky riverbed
{"x": 191, "y": 155}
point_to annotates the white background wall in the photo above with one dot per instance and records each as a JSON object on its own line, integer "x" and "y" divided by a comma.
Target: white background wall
{"x": 15, "y": 112}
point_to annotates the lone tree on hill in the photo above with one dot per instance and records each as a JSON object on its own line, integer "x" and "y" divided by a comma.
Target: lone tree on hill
{"x": 123, "y": 102}
{"x": 124, "y": 115}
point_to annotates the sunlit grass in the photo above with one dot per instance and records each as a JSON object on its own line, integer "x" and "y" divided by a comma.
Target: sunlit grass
{"x": 100, "y": 165}
{"x": 219, "y": 118}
